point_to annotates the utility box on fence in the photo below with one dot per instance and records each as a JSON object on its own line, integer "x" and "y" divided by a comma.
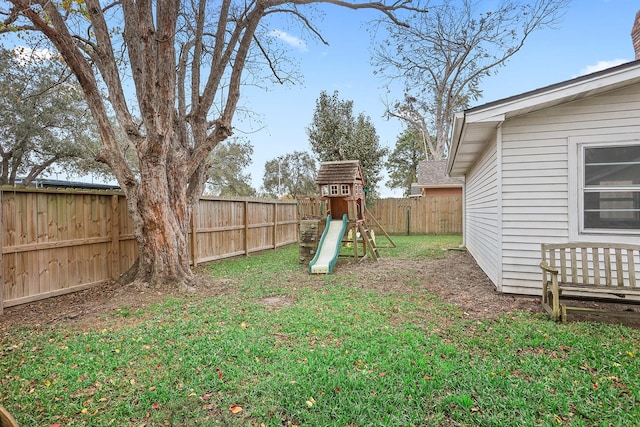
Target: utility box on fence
{"x": 309, "y": 236}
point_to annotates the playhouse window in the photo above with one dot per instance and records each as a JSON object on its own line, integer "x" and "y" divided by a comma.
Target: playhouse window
{"x": 325, "y": 190}
{"x": 344, "y": 189}
{"x": 611, "y": 187}
{"x": 333, "y": 190}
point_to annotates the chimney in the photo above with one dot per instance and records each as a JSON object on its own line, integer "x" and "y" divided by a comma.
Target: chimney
{"x": 635, "y": 35}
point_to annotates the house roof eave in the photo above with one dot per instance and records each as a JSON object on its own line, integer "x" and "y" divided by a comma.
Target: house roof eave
{"x": 474, "y": 127}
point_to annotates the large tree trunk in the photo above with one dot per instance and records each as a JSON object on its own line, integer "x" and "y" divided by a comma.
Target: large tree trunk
{"x": 161, "y": 206}
{"x": 162, "y": 232}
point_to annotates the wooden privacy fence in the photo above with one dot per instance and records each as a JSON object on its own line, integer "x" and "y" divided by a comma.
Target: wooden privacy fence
{"x": 419, "y": 215}
{"x": 414, "y": 216}
{"x": 59, "y": 241}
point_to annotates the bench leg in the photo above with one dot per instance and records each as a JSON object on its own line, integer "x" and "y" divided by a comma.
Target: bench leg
{"x": 555, "y": 295}
{"x": 563, "y": 313}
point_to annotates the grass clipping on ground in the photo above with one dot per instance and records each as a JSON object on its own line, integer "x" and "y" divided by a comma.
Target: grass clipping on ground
{"x": 280, "y": 347}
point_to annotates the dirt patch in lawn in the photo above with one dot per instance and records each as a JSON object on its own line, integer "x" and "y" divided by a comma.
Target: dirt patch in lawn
{"x": 455, "y": 279}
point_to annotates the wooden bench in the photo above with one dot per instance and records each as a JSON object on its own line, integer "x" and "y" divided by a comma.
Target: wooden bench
{"x": 6, "y": 420}
{"x": 588, "y": 270}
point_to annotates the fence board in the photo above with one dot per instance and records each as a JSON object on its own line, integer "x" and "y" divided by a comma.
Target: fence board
{"x": 59, "y": 241}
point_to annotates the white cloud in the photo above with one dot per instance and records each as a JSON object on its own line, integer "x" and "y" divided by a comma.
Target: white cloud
{"x": 26, "y": 54}
{"x": 289, "y": 39}
{"x": 601, "y": 65}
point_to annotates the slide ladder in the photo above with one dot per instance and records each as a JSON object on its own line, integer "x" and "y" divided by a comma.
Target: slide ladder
{"x": 329, "y": 246}
{"x": 365, "y": 233}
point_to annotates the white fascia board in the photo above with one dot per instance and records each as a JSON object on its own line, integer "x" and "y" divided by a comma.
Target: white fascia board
{"x": 556, "y": 94}
{"x": 458, "y": 125}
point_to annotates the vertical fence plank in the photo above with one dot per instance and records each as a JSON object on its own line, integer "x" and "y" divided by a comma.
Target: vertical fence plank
{"x": 275, "y": 225}
{"x": 194, "y": 235}
{"x": 246, "y": 227}
{"x": 114, "y": 216}
{"x": 2, "y": 273}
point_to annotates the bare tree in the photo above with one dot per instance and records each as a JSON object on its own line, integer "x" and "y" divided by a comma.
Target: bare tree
{"x": 185, "y": 61}
{"x": 442, "y": 57}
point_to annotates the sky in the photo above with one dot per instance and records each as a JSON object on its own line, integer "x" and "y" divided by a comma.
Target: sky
{"x": 593, "y": 35}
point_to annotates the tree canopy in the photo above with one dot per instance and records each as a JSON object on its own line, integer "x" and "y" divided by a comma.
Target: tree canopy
{"x": 443, "y": 55}
{"x": 291, "y": 175}
{"x": 226, "y": 174}
{"x": 44, "y": 121}
{"x": 336, "y": 134}
{"x": 402, "y": 163}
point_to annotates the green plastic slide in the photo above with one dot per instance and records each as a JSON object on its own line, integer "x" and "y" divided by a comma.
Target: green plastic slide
{"x": 329, "y": 246}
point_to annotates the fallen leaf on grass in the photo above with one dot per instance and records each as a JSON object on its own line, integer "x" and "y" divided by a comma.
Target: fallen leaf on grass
{"x": 155, "y": 405}
{"x": 311, "y": 402}
{"x": 235, "y": 409}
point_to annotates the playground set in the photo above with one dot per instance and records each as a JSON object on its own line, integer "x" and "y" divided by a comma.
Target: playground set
{"x": 342, "y": 190}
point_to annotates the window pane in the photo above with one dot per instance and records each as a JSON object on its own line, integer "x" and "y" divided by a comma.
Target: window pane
{"x": 614, "y": 210}
{"x": 612, "y": 174}
{"x": 629, "y": 153}
{"x": 612, "y": 166}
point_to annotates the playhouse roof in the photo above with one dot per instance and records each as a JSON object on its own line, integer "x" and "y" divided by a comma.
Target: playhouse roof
{"x": 344, "y": 171}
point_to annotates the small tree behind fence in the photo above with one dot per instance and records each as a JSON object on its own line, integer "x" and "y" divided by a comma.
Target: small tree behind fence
{"x": 60, "y": 241}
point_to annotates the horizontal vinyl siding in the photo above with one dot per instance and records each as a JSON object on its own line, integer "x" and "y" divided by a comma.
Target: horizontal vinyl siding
{"x": 481, "y": 210}
{"x": 535, "y": 181}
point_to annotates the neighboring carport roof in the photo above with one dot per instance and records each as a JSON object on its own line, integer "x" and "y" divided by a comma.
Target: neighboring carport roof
{"x": 433, "y": 174}
{"x": 475, "y": 127}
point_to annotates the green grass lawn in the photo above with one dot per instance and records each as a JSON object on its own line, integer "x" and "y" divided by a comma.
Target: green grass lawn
{"x": 337, "y": 355}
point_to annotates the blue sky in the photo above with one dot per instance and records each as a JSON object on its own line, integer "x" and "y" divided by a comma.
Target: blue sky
{"x": 593, "y": 34}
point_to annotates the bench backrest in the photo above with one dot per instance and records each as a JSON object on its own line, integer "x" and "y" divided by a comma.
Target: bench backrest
{"x": 597, "y": 264}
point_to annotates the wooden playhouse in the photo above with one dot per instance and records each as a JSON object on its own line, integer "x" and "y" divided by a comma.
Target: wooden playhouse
{"x": 342, "y": 192}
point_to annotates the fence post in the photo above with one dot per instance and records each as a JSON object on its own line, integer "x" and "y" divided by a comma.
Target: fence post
{"x": 194, "y": 236}
{"x": 115, "y": 237}
{"x": 246, "y": 228}
{"x": 1, "y": 254}
{"x": 275, "y": 225}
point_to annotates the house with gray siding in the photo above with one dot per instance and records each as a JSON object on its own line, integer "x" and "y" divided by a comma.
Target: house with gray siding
{"x": 554, "y": 165}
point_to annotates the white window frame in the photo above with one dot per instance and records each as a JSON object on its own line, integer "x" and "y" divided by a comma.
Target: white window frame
{"x": 577, "y": 148}
{"x": 344, "y": 189}
{"x": 333, "y": 190}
